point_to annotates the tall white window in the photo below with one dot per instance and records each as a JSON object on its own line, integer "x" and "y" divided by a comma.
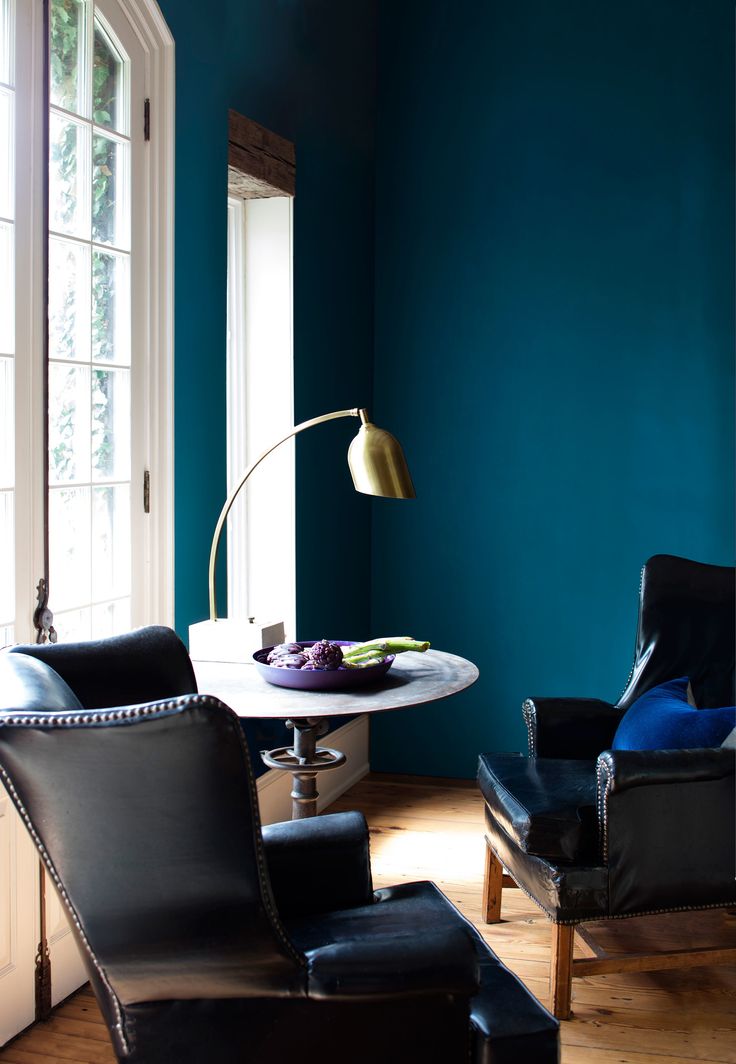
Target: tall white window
{"x": 100, "y": 276}
{"x": 261, "y": 532}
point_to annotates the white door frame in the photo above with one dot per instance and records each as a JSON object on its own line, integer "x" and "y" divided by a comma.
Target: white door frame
{"x": 144, "y": 24}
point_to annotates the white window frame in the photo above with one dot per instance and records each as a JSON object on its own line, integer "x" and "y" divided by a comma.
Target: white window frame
{"x": 153, "y": 333}
{"x": 153, "y": 324}
{"x": 30, "y": 311}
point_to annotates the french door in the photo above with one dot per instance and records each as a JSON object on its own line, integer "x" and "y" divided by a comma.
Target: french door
{"x": 85, "y": 362}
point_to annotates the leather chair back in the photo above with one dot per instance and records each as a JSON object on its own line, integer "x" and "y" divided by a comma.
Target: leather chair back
{"x": 182, "y": 876}
{"x": 686, "y": 628}
{"x": 122, "y": 670}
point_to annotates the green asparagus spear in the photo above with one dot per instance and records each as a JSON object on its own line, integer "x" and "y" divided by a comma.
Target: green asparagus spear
{"x": 391, "y": 645}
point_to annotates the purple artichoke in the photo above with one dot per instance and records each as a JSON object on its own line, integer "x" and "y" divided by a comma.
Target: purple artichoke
{"x": 281, "y": 649}
{"x": 289, "y": 661}
{"x": 325, "y": 655}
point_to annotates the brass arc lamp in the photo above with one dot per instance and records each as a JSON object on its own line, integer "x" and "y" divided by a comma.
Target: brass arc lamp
{"x": 377, "y": 465}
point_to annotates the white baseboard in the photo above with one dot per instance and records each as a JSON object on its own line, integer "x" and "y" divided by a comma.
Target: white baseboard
{"x": 274, "y": 787}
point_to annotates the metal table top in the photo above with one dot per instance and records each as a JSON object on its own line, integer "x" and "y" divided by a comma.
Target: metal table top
{"x": 412, "y": 680}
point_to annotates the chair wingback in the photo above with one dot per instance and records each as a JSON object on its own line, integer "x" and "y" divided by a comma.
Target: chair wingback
{"x": 156, "y": 840}
{"x": 686, "y": 628}
{"x": 123, "y": 670}
{"x": 29, "y": 684}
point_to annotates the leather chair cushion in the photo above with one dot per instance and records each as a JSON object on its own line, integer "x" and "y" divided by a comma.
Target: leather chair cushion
{"x": 393, "y": 919}
{"x": 508, "y": 1024}
{"x": 31, "y": 685}
{"x": 547, "y": 806}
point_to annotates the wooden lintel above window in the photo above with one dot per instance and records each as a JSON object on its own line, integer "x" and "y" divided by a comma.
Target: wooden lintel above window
{"x": 260, "y": 163}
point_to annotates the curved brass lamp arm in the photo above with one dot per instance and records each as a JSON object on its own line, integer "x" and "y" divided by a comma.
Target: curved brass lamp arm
{"x": 354, "y": 412}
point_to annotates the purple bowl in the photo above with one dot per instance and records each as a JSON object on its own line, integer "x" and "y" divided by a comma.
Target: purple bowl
{"x": 321, "y": 680}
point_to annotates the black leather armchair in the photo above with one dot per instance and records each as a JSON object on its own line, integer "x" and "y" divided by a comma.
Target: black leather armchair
{"x": 205, "y": 937}
{"x": 592, "y": 833}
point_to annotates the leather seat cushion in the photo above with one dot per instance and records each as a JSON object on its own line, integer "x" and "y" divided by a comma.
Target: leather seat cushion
{"x": 545, "y": 805}
{"x": 507, "y": 1021}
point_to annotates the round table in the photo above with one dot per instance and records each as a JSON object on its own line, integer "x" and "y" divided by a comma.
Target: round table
{"x": 412, "y": 680}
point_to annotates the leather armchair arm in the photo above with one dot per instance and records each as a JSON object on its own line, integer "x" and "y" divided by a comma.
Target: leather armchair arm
{"x": 319, "y": 865}
{"x": 432, "y": 962}
{"x": 576, "y": 728}
{"x": 620, "y": 770}
{"x": 668, "y": 828}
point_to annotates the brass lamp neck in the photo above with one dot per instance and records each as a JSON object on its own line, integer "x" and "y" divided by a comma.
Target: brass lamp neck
{"x": 360, "y": 412}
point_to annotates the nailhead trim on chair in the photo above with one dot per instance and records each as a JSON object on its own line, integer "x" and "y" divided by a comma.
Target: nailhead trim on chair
{"x": 529, "y": 713}
{"x": 531, "y": 897}
{"x": 618, "y": 916}
{"x": 119, "y": 1026}
{"x": 267, "y": 895}
{"x": 633, "y": 663}
{"x": 603, "y": 768}
{"x": 71, "y": 720}
{"x": 94, "y": 718}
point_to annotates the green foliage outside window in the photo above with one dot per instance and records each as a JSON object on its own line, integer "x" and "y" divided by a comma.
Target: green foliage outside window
{"x": 68, "y": 62}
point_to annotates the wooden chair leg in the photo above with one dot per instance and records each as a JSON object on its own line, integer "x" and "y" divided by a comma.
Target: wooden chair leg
{"x": 492, "y": 887}
{"x": 560, "y": 972}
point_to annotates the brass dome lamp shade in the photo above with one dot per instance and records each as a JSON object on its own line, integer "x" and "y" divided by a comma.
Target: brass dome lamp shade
{"x": 377, "y": 465}
{"x": 377, "y": 462}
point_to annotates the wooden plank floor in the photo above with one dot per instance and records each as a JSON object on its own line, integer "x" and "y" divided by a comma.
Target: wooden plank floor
{"x": 431, "y": 829}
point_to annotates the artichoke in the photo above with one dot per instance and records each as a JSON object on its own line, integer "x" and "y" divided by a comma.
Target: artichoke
{"x": 325, "y": 655}
{"x": 289, "y": 661}
{"x": 281, "y": 649}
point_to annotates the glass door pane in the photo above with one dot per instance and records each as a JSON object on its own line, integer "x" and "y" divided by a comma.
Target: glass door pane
{"x": 89, "y": 326}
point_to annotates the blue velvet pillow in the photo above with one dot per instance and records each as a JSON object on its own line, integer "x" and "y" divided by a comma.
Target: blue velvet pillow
{"x": 662, "y": 719}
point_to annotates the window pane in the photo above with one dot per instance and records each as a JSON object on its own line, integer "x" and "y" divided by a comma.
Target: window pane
{"x": 67, "y": 39}
{"x": 69, "y": 177}
{"x": 110, "y": 541}
{"x": 111, "y": 618}
{"x": 109, "y": 192}
{"x": 69, "y": 542}
{"x": 110, "y": 424}
{"x": 69, "y": 324}
{"x": 72, "y": 626}
{"x": 107, "y": 74}
{"x": 7, "y": 291}
{"x": 7, "y": 558}
{"x": 6, "y": 154}
{"x": 69, "y": 423}
{"x": 111, "y": 307}
{"x": 7, "y": 424}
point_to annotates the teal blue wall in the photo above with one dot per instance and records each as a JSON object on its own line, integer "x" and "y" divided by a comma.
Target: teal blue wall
{"x": 306, "y": 70}
{"x": 554, "y": 338}
{"x": 546, "y": 194}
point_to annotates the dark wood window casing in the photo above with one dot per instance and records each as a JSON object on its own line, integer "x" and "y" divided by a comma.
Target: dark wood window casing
{"x": 260, "y": 163}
